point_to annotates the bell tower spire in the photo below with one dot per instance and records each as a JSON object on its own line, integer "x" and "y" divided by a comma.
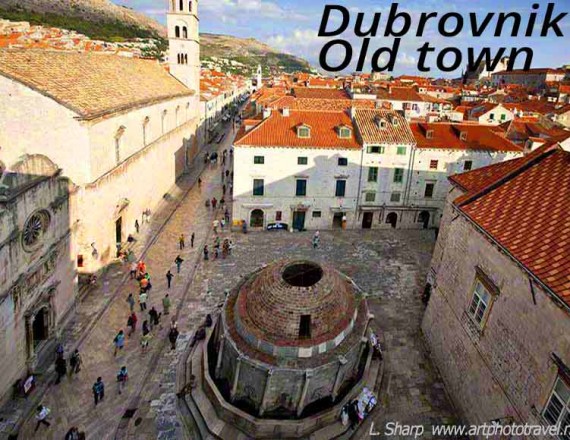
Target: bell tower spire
{"x": 184, "y": 42}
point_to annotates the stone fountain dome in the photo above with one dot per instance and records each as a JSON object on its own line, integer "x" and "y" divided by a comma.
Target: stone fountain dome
{"x": 296, "y": 304}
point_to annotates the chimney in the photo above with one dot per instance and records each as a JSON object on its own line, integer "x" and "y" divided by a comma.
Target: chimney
{"x": 285, "y": 112}
{"x": 266, "y": 112}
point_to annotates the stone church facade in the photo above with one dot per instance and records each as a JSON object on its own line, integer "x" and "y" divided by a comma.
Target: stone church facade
{"x": 37, "y": 274}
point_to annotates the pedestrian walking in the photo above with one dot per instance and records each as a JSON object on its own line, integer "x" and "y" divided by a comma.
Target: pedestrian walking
{"x": 178, "y": 261}
{"x": 137, "y": 226}
{"x": 192, "y": 240}
{"x": 214, "y": 203}
{"x": 316, "y": 240}
{"x": 98, "y": 389}
{"x": 60, "y": 368}
{"x": 142, "y": 300}
{"x": 122, "y": 378}
{"x": 119, "y": 342}
{"x": 215, "y": 224}
{"x": 75, "y": 363}
{"x": 169, "y": 278}
{"x": 223, "y": 190}
{"x": 207, "y": 203}
{"x": 181, "y": 241}
{"x": 199, "y": 182}
{"x": 131, "y": 301}
{"x": 145, "y": 328}
{"x": 227, "y": 173}
{"x": 133, "y": 271}
{"x": 206, "y": 252}
{"x": 166, "y": 304}
{"x": 154, "y": 317}
{"x": 132, "y": 323}
{"x": 222, "y": 224}
{"x": 145, "y": 339}
{"x": 59, "y": 350}
{"x": 74, "y": 434}
{"x": 227, "y": 216}
{"x": 42, "y": 413}
{"x": 222, "y": 202}
{"x": 143, "y": 284}
{"x": 172, "y": 337}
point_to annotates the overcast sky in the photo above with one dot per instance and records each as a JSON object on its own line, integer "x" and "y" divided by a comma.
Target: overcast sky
{"x": 292, "y": 26}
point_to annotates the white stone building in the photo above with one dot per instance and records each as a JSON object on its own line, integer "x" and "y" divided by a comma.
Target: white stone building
{"x": 297, "y": 168}
{"x": 123, "y": 130}
{"x": 387, "y": 144}
{"x": 489, "y": 113}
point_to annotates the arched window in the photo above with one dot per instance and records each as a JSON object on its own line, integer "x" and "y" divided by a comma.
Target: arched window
{"x": 186, "y": 58}
{"x": 181, "y": 5}
{"x": 145, "y": 129}
{"x": 190, "y": 6}
{"x": 392, "y": 219}
{"x": 256, "y": 218}
{"x": 184, "y": 32}
{"x": 118, "y": 142}
{"x": 164, "y": 113}
{"x": 177, "y": 31}
{"x": 177, "y": 114}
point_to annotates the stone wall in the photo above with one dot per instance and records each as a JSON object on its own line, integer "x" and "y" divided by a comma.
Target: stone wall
{"x": 32, "y": 277}
{"x": 506, "y": 368}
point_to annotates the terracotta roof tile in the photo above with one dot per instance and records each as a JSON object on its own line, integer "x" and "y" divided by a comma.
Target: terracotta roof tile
{"x": 526, "y": 212}
{"x": 370, "y": 132}
{"x": 91, "y": 84}
{"x": 319, "y": 93}
{"x": 447, "y": 136}
{"x": 281, "y": 131}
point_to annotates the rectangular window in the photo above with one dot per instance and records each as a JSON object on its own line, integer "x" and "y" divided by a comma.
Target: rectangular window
{"x": 340, "y": 188}
{"x": 342, "y": 161}
{"x": 428, "y": 194}
{"x": 370, "y": 197}
{"x": 492, "y": 116}
{"x": 257, "y": 187}
{"x": 375, "y": 150}
{"x": 316, "y": 214}
{"x": 401, "y": 151}
{"x": 503, "y": 117}
{"x": 395, "y": 197}
{"x": 301, "y": 189}
{"x": 304, "y": 132}
{"x": 433, "y": 164}
{"x": 301, "y": 160}
{"x": 557, "y": 410}
{"x": 373, "y": 174}
{"x": 467, "y": 165}
{"x": 305, "y": 327}
{"x": 259, "y": 160}
{"x": 278, "y": 216}
{"x": 479, "y": 303}
{"x": 398, "y": 175}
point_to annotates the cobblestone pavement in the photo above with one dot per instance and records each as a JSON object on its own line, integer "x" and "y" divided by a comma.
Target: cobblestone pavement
{"x": 389, "y": 265}
{"x": 105, "y": 311}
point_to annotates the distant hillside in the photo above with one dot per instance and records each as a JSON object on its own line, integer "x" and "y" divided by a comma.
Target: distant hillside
{"x": 98, "y": 19}
{"x": 249, "y": 52}
{"x": 103, "y": 20}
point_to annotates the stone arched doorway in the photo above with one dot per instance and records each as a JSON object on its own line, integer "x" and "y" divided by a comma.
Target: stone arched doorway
{"x": 424, "y": 218}
{"x": 256, "y": 218}
{"x": 392, "y": 219}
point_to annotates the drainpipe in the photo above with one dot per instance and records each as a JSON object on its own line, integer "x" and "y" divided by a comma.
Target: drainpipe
{"x": 357, "y": 207}
{"x": 410, "y": 176}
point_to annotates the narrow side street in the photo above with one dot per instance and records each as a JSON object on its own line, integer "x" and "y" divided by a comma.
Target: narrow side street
{"x": 105, "y": 311}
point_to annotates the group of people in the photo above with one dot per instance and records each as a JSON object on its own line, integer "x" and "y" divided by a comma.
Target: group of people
{"x": 357, "y": 409}
{"x": 221, "y": 248}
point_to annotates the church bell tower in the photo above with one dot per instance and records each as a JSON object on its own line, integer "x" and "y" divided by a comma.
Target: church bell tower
{"x": 184, "y": 42}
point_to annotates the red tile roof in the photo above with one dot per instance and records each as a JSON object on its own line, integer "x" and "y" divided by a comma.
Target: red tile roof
{"x": 525, "y": 211}
{"x": 396, "y": 130}
{"x": 316, "y": 93}
{"x": 309, "y": 104}
{"x": 281, "y": 131}
{"x": 447, "y": 136}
